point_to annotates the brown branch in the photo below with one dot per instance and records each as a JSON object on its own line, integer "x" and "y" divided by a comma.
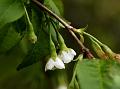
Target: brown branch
{"x": 69, "y": 28}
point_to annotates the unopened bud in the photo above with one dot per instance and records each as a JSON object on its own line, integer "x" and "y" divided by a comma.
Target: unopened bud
{"x": 98, "y": 50}
{"x": 111, "y": 54}
{"x": 32, "y": 37}
{"x": 108, "y": 51}
{"x": 31, "y": 34}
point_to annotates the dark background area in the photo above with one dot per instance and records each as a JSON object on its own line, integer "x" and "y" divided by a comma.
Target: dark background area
{"x": 101, "y": 16}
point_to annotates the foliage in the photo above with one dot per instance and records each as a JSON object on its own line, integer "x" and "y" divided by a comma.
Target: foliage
{"x": 95, "y": 74}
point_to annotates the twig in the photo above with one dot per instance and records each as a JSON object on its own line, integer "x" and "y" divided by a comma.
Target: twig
{"x": 69, "y": 28}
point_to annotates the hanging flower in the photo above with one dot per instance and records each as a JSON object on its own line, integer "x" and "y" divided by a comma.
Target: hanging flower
{"x": 53, "y": 64}
{"x": 67, "y": 55}
{"x": 54, "y": 61}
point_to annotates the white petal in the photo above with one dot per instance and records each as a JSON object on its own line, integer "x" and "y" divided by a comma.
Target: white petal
{"x": 72, "y": 52}
{"x": 62, "y": 87}
{"x": 49, "y": 64}
{"x": 67, "y": 55}
{"x": 71, "y": 55}
{"x": 64, "y": 56}
{"x": 67, "y": 58}
{"x": 59, "y": 64}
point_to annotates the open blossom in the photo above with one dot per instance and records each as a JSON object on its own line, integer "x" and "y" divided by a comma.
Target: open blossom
{"x": 52, "y": 64}
{"x": 67, "y": 55}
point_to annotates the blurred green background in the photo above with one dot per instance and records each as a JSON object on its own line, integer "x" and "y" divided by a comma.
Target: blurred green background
{"x": 103, "y": 20}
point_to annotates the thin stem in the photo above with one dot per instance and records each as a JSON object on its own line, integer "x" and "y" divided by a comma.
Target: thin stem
{"x": 69, "y": 28}
{"x": 27, "y": 15}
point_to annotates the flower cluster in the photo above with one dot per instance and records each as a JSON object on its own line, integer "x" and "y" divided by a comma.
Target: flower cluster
{"x": 65, "y": 55}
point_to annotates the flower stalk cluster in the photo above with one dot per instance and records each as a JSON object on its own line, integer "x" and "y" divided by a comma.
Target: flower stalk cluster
{"x": 54, "y": 61}
{"x": 65, "y": 55}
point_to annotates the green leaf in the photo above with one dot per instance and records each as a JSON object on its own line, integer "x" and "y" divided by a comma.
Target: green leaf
{"x": 10, "y": 10}
{"x": 74, "y": 84}
{"x": 52, "y": 5}
{"x": 10, "y": 38}
{"x": 4, "y": 32}
{"x": 20, "y": 25}
{"x": 59, "y": 5}
{"x": 96, "y": 74}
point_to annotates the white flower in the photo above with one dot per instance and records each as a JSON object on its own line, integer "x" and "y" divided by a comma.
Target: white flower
{"x": 59, "y": 64}
{"x": 49, "y": 65}
{"x": 67, "y": 55}
{"x": 62, "y": 87}
{"x": 52, "y": 64}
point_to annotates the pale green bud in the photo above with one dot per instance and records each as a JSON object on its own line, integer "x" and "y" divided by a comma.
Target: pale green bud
{"x": 31, "y": 34}
{"x": 98, "y": 50}
{"x": 108, "y": 51}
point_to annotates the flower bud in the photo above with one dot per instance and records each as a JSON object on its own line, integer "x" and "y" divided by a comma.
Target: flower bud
{"x": 98, "y": 50}
{"x": 30, "y": 30}
{"x": 32, "y": 37}
{"x": 108, "y": 51}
